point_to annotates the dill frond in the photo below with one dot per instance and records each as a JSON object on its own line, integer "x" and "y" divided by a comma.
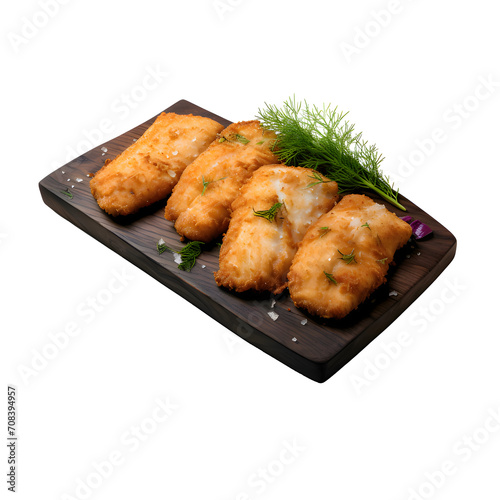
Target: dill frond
{"x": 323, "y": 140}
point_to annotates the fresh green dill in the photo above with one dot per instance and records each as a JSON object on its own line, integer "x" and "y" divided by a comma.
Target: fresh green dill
{"x": 323, "y": 231}
{"x": 321, "y": 139}
{"x": 319, "y": 179}
{"x": 347, "y": 257}
{"x": 270, "y": 214}
{"x": 68, "y": 193}
{"x": 222, "y": 139}
{"x": 188, "y": 254}
{"x": 330, "y": 277}
{"x": 366, "y": 225}
{"x": 382, "y": 261}
{"x": 206, "y": 183}
{"x": 261, "y": 142}
{"x": 241, "y": 139}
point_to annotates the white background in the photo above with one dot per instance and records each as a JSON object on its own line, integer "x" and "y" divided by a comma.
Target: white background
{"x": 236, "y": 407}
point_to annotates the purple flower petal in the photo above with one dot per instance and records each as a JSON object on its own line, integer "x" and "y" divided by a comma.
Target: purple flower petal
{"x": 407, "y": 218}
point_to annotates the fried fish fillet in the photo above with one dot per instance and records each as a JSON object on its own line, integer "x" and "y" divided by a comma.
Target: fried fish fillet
{"x": 148, "y": 170}
{"x": 256, "y": 252}
{"x": 201, "y": 201}
{"x": 345, "y": 256}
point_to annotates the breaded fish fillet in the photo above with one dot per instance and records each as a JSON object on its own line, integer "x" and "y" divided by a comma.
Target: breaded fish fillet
{"x": 148, "y": 170}
{"x": 200, "y": 203}
{"x": 345, "y": 256}
{"x": 269, "y": 219}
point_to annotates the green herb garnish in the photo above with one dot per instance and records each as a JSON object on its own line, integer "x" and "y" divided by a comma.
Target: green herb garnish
{"x": 366, "y": 225}
{"x": 222, "y": 139}
{"x": 321, "y": 139}
{"x": 319, "y": 180}
{"x": 206, "y": 183}
{"x": 188, "y": 254}
{"x": 241, "y": 139}
{"x": 330, "y": 277}
{"x": 323, "y": 231}
{"x": 68, "y": 193}
{"x": 270, "y": 214}
{"x": 261, "y": 142}
{"x": 347, "y": 257}
{"x": 382, "y": 261}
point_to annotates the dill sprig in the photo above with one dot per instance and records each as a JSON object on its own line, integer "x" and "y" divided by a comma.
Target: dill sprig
{"x": 330, "y": 277}
{"x": 188, "y": 254}
{"x": 323, "y": 230}
{"x": 347, "y": 257}
{"x": 206, "y": 183}
{"x": 322, "y": 139}
{"x": 318, "y": 180}
{"x": 270, "y": 214}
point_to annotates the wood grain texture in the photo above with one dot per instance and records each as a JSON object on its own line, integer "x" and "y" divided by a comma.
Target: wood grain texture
{"x": 322, "y": 347}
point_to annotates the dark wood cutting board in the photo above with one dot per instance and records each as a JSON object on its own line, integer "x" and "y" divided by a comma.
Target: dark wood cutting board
{"x": 318, "y": 348}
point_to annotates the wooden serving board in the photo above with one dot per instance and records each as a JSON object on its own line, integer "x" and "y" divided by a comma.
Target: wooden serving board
{"x": 316, "y": 349}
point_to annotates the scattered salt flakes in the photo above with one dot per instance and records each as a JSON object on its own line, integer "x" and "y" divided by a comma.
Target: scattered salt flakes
{"x": 274, "y": 316}
{"x": 175, "y": 153}
{"x": 294, "y": 339}
{"x": 63, "y": 172}
{"x": 418, "y": 253}
{"x": 72, "y": 185}
{"x": 303, "y": 322}
{"x": 177, "y": 258}
{"x": 135, "y": 140}
{"x": 103, "y": 154}
{"x": 104, "y": 149}
{"x": 408, "y": 256}
{"x": 273, "y": 303}
{"x": 69, "y": 180}
{"x": 78, "y": 179}
{"x": 161, "y": 242}
{"x": 393, "y": 293}
{"x": 171, "y": 173}
{"x": 203, "y": 266}
{"x": 194, "y": 140}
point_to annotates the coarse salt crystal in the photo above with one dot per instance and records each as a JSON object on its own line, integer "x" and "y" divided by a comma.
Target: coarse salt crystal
{"x": 303, "y": 322}
{"x": 273, "y": 303}
{"x": 177, "y": 258}
{"x": 69, "y": 180}
{"x": 78, "y": 179}
{"x": 161, "y": 241}
{"x": 194, "y": 139}
{"x": 104, "y": 149}
{"x": 171, "y": 173}
{"x": 274, "y": 316}
{"x": 393, "y": 293}
{"x": 175, "y": 153}
{"x": 203, "y": 266}
{"x": 294, "y": 339}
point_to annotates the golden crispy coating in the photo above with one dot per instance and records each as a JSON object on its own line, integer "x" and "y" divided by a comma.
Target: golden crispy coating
{"x": 200, "y": 203}
{"x": 256, "y": 253}
{"x": 148, "y": 170}
{"x": 354, "y": 244}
